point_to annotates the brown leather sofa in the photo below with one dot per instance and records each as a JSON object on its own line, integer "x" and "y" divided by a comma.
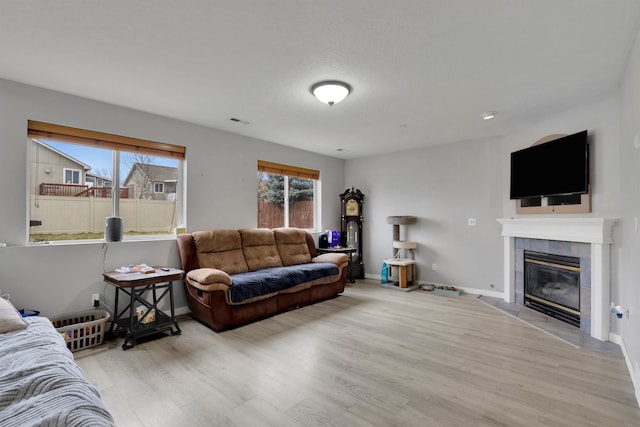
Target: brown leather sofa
{"x": 236, "y": 276}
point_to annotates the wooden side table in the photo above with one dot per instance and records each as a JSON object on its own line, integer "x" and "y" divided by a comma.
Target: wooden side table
{"x": 348, "y": 251}
{"x": 140, "y": 288}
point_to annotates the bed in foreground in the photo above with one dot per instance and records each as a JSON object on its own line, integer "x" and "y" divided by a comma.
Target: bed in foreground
{"x": 41, "y": 384}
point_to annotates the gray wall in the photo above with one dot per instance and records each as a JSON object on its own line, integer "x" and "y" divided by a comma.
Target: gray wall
{"x": 446, "y": 185}
{"x": 220, "y": 177}
{"x": 628, "y": 251}
{"x": 443, "y": 186}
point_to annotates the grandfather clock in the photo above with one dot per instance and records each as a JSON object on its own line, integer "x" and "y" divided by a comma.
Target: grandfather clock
{"x": 351, "y": 228}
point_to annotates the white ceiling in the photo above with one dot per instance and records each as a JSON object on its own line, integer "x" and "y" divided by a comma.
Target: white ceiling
{"x": 422, "y": 71}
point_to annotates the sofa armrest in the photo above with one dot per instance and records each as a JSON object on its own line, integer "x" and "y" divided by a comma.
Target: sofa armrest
{"x": 341, "y": 260}
{"x": 209, "y": 279}
{"x": 188, "y": 252}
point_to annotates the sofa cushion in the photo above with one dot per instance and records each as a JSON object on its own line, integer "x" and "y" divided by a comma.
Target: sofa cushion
{"x": 292, "y": 246}
{"x": 221, "y": 249}
{"x": 259, "y": 248}
{"x": 246, "y": 286}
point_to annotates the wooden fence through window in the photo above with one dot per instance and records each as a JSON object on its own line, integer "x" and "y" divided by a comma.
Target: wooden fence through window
{"x": 271, "y": 215}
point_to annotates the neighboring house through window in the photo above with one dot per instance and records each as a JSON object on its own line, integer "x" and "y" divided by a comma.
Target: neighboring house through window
{"x": 147, "y": 180}
{"x": 53, "y": 172}
{"x": 72, "y": 176}
{"x": 92, "y": 179}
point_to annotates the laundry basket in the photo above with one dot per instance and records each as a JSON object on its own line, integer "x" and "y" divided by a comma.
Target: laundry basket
{"x": 81, "y": 330}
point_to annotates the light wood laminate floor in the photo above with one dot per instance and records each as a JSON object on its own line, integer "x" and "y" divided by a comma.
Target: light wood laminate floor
{"x": 371, "y": 357}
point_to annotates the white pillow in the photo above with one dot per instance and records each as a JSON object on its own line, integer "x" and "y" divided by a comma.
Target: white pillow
{"x": 10, "y": 319}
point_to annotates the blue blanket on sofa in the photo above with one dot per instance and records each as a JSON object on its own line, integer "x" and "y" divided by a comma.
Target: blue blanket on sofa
{"x": 245, "y": 286}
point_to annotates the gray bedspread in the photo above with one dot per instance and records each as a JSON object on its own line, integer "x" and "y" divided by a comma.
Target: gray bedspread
{"x": 40, "y": 383}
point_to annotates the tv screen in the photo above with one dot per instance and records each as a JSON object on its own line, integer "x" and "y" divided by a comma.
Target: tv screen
{"x": 558, "y": 167}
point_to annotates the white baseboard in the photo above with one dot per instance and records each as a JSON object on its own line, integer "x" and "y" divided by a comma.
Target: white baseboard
{"x": 485, "y": 292}
{"x": 617, "y": 339}
{"x": 473, "y": 291}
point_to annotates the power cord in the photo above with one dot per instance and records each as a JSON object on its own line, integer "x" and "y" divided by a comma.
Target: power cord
{"x": 105, "y": 247}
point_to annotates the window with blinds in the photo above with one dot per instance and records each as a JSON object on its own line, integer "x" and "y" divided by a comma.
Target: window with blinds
{"x": 79, "y": 177}
{"x": 287, "y": 196}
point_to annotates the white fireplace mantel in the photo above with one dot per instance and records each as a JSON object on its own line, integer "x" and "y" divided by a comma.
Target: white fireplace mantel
{"x": 596, "y": 231}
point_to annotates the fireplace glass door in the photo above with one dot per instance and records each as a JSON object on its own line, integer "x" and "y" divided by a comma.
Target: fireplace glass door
{"x": 552, "y": 285}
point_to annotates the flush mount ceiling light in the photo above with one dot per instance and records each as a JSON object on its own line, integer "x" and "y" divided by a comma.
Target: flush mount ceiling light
{"x": 330, "y": 91}
{"x": 488, "y": 115}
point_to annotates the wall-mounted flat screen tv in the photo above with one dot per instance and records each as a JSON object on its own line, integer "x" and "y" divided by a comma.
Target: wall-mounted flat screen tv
{"x": 558, "y": 167}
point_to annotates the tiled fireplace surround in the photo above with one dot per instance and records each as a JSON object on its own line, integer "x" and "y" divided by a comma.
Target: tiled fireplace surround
{"x": 589, "y": 239}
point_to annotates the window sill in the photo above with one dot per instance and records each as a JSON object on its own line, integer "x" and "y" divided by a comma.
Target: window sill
{"x": 126, "y": 239}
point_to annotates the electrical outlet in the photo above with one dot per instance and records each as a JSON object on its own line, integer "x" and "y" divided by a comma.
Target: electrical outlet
{"x": 471, "y": 222}
{"x": 95, "y": 300}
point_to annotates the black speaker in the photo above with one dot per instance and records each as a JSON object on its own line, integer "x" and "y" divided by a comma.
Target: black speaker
{"x": 113, "y": 229}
